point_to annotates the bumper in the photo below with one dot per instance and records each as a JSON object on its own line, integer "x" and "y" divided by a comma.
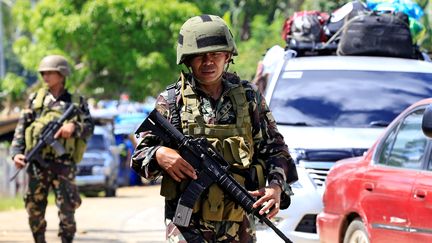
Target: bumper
{"x": 328, "y": 226}
{"x": 297, "y": 237}
{"x": 91, "y": 181}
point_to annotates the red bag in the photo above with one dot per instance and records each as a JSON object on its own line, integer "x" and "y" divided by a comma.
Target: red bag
{"x": 305, "y": 26}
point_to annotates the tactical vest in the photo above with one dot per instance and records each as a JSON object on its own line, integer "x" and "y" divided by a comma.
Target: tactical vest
{"x": 74, "y": 147}
{"x": 233, "y": 141}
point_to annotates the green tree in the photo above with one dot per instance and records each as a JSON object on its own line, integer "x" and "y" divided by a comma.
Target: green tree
{"x": 12, "y": 87}
{"x": 115, "y": 45}
{"x": 129, "y": 46}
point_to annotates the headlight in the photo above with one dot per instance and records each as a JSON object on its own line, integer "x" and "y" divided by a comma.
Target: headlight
{"x": 304, "y": 182}
{"x": 97, "y": 170}
{"x": 297, "y": 154}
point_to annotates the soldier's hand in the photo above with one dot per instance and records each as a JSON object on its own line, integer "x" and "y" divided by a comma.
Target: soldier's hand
{"x": 65, "y": 131}
{"x": 19, "y": 161}
{"x": 171, "y": 161}
{"x": 270, "y": 197}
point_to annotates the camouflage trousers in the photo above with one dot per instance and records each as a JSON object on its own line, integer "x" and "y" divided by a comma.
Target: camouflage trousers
{"x": 212, "y": 231}
{"x": 60, "y": 177}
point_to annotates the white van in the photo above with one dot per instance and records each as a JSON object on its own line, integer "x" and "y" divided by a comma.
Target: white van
{"x": 329, "y": 108}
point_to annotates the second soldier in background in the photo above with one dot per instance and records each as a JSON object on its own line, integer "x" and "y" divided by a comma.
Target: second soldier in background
{"x": 44, "y": 106}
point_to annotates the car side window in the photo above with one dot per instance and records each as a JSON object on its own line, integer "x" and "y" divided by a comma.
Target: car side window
{"x": 387, "y": 146}
{"x": 405, "y": 146}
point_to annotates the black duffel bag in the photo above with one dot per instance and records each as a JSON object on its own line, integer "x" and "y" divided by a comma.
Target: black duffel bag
{"x": 377, "y": 34}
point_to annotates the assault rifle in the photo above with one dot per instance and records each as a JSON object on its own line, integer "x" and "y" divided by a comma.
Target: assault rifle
{"x": 210, "y": 166}
{"x": 47, "y": 138}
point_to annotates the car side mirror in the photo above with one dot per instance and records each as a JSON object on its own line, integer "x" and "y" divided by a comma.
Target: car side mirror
{"x": 427, "y": 122}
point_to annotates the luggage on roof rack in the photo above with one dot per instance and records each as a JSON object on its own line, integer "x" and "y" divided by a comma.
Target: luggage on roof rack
{"x": 305, "y": 26}
{"x": 342, "y": 15}
{"x": 304, "y": 33}
{"x": 377, "y": 34}
{"x": 311, "y": 49}
{"x": 353, "y": 29}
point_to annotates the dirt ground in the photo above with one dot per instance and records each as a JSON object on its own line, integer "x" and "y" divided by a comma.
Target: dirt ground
{"x": 135, "y": 215}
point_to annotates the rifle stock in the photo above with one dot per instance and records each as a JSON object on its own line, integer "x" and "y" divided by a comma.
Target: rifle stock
{"x": 47, "y": 138}
{"x": 211, "y": 168}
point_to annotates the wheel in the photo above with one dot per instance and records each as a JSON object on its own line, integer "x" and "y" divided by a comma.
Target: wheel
{"x": 110, "y": 192}
{"x": 90, "y": 193}
{"x": 356, "y": 232}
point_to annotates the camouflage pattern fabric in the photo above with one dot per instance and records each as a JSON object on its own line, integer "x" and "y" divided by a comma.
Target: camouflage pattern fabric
{"x": 269, "y": 145}
{"x": 211, "y": 231}
{"x": 59, "y": 176}
{"x": 83, "y": 129}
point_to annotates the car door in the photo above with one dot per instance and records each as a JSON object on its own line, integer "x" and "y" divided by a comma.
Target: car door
{"x": 421, "y": 206}
{"x": 389, "y": 181}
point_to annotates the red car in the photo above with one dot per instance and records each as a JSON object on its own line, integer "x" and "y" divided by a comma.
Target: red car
{"x": 386, "y": 195}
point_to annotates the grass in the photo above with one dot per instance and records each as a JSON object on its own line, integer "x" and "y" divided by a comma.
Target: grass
{"x": 11, "y": 203}
{"x": 17, "y": 203}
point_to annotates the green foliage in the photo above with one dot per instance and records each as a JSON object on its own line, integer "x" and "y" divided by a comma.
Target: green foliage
{"x": 115, "y": 45}
{"x": 13, "y": 86}
{"x": 263, "y": 37}
{"x": 426, "y": 20}
{"x": 130, "y": 46}
{"x": 325, "y": 6}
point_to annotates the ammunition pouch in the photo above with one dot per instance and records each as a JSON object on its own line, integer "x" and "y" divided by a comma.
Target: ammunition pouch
{"x": 217, "y": 207}
{"x": 255, "y": 179}
{"x": 234, "y": 142}
{"x": 80, "y": 148}
{"x": 74, "y": 147}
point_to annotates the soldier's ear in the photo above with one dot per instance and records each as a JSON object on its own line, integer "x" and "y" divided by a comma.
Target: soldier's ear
{"x": 228, "y": 57}
{"x": 186, "y": 61}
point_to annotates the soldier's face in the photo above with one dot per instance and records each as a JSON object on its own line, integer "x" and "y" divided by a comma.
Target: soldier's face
{"x": 52, "y": 78}
{"x": 208, "y": 67}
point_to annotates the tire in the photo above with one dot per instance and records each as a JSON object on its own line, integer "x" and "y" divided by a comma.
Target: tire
{"x": 110, "y": 192}
{"x": 356, "y": 232}
{"x": 110, "y": 187}
{"x": 90, "y": 193}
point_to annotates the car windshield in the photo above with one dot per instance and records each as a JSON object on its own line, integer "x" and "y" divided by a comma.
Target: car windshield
{"x": 96, "y": 142}
{"x": 346, "y": 98}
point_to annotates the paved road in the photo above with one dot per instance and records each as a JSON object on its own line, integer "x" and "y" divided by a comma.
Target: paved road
{"x": 135, "y": 215}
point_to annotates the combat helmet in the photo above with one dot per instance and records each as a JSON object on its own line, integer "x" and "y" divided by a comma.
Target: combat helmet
{"x": 55, "y": 63}
{"x": 205, "y": 33}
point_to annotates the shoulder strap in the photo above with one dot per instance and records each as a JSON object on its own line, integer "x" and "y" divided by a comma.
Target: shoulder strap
{"x": 77, "y": 99}
{"x": 252, "y": 95}
{"x": 175, "y": 115}
{"x": 39, "y": 99}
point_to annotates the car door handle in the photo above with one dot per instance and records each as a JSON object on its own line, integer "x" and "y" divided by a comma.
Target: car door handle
{"x": 419, "y": 193}
{"x": 369, "y": 186}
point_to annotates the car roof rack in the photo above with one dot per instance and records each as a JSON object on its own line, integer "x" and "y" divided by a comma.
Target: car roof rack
{"x": 312, "y": 48}
{"x": 315, "y": 33}
{"x": 329, "y": 49}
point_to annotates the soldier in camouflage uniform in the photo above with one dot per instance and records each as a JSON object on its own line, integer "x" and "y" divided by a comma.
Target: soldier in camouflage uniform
{"x": 43, "y": 106}
{"x": 233, "y": 115}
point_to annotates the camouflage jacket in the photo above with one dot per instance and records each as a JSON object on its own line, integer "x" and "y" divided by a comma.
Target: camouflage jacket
{"x": 83, "y": 128}
{"x": 269, "y": 144}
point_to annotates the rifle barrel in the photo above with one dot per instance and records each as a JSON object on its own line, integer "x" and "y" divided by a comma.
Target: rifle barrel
{"x": 198, "y": 155}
